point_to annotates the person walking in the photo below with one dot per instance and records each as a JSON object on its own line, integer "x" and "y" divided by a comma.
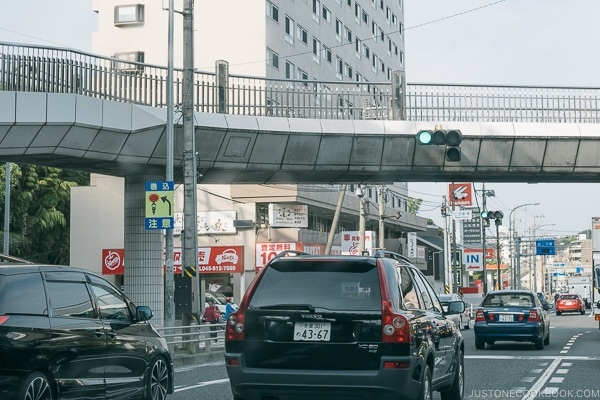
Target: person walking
{"x": 212, "y": 316}
{"x": 229, "y": 308}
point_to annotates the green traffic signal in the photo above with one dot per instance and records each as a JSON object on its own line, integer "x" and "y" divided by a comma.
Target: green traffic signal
{"x": 425, "y": 137}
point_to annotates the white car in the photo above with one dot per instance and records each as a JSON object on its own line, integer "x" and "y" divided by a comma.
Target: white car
{"x": 460, "y": 320}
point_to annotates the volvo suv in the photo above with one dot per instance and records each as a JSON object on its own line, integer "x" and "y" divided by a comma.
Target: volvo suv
{"x": 68, "y": 333}
{"x": 343, "y": 327}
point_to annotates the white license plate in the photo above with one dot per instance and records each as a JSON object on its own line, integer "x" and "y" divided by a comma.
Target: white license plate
{"x": 312, "y": 331}
{"x": 505, "y": 318}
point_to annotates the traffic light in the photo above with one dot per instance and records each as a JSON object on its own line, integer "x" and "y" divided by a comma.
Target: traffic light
{"x": 486, "y": 216}
{"x": 439, "y": 137}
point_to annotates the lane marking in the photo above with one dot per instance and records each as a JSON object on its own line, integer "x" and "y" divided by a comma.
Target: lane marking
{"x": 537, "y": 386}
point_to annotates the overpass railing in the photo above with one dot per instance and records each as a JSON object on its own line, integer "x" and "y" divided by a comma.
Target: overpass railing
{"x": 58, "y": 70}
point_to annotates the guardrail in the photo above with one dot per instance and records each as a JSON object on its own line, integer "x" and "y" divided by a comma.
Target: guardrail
{"x": 59, "y": 70}
{"x": 194, "y": 338}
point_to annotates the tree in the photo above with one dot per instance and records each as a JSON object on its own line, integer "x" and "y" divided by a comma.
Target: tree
{"x": 40, "y": 211}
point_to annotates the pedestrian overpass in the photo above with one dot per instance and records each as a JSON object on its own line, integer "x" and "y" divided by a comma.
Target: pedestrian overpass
{"x": 75, "y": 110}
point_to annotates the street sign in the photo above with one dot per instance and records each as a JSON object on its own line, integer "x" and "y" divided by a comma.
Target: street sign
{"x": 460, "y": 194}
{"x": 545, "y": 247}
{"x": 159, "y": 205}
{"x": 473, "y": 259}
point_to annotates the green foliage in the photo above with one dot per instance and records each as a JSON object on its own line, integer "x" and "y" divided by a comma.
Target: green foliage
{"x": 414, "y": 205}
{"x": 40, "y": 211}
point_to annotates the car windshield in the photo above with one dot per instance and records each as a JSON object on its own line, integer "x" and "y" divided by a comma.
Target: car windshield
{"x": 509, "y": 300}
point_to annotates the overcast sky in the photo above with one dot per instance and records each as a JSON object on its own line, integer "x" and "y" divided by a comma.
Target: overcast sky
{"x": 512, "y": 42}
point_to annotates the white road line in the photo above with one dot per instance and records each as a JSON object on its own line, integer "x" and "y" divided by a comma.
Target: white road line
{"x": 535, "y": 389}
{"x": 201, "y": 384}
{"x": 499, "y": 357}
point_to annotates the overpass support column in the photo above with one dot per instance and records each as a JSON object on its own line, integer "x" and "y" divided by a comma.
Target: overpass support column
{"x": 143, "y": 250}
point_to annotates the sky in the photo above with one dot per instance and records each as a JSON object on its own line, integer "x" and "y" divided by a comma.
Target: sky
{"x": 511, "y": 42}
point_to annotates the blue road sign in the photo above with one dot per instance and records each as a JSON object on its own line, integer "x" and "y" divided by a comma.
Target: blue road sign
{"x": 545, "y": 247}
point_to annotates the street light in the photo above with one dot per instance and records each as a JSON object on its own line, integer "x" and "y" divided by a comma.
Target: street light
{"x": 516, "y": 275}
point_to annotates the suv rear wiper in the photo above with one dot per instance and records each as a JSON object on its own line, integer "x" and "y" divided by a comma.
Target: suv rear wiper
{"x": 291, "y": 306}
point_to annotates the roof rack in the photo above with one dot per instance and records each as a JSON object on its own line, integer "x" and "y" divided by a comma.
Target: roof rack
{"x": 391, "y": 254}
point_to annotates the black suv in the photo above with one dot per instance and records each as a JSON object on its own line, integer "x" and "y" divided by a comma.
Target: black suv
{"x": 343, "y": 327}
{"x": 68, "y": 333}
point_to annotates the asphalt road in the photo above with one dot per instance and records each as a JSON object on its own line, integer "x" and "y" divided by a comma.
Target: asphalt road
{"x": 567, "y": 368}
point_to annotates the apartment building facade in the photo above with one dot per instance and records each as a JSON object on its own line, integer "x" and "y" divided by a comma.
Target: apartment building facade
{"x": 304, "y": 40}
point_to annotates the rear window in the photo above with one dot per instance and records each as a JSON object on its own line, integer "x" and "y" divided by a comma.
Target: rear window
{"x": 22, "y": 294}
{"x": 331, "y": 285}
{"x": 509, "y": 300}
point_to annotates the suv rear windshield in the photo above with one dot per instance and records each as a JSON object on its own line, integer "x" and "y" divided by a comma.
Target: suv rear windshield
{"x": 22, "y": 294}
{"x": 333, "y": 285}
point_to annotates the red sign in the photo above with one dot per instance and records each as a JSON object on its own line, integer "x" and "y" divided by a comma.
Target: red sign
{"x": 460, "y": 194}
{"x": 266, "y": 251}
{"x": 214, "y": 260}
{"x": 113, "y": 261}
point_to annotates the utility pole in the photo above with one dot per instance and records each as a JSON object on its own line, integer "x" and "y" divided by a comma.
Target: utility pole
{"x": 169, "y": 286}
{"x": 336, "y": 218}
{"x": 456, "y": 267}
{"x": 362, "y": 220}
{"x": 381, "y": 217}
{"x": 483, "y": 246}
{"x": 190, "y": 231}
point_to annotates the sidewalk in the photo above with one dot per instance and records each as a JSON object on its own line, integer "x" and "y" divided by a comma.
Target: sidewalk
{"x": 183, "y": 358}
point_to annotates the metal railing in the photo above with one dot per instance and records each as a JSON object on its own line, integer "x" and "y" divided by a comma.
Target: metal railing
{"x": 58, "y": 70}
{"x": 194, "y": 338}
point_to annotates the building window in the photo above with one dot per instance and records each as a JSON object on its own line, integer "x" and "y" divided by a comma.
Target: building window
{"x": 381, "y": 35}
{"x": 348, "y": 34}
{"x": 357, "y": 12}
{"x": 338, "y": 30}
{"x": 272, "y": 58}
{"x": 302, "y": 34}
{"x": 302, "y": 75}
{"x": 366, "y": 52}
{"x": 128, "y": 60}
{"x": 365, "y": 18}
{"x": 357, "y": 47}
{"x": 289, "y": 30}
{"x": 327, "y": 15}
{"x": 129, "y": 15}
{"x": 272, "y": 11}
{"x": 348, "y": 70}
{"x": 316, "y": 9}
{"x": 327, "y": 54}
{"x": 316, "y": 50}
{"x": 290, "y": 70}
{"x": 339, "y": 68}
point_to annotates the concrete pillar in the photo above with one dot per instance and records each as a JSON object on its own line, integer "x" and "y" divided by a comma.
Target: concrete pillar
{"x": 144, "y": 280}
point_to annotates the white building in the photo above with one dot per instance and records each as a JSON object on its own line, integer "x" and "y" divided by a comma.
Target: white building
{"x": 325, "y": 40}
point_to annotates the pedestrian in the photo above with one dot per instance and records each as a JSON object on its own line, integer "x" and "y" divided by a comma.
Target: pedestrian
{"x": 229, "y": 308}
{"x": 212, "y": 316}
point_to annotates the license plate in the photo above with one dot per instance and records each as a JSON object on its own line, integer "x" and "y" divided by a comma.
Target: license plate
{"x": 505, "y": 318}
{"x": 312, "y": 331}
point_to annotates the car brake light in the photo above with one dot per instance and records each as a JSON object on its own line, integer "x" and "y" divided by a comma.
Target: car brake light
{"x": 3, "y": 319}
{"x": 396, "y": 365}
{"x": 396, "y": 328}
{"x": 479, "y": 316}
{"x": 234, "y": 328}
{"x": 534, "y": 316}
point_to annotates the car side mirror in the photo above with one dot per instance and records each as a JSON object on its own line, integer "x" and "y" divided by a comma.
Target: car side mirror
{"x": 143, "y": 313}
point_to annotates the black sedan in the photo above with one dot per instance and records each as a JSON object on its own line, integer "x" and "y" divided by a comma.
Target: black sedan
{"x": 512, "y": 315}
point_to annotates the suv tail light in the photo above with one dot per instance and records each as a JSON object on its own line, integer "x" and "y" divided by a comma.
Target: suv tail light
{"x": 3, "y": 319}
{"x": 534, "y": 316}
{"x": 234, "y": 327}
{"x": 479, "y": 317}
{"x": 395, "y": 327}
